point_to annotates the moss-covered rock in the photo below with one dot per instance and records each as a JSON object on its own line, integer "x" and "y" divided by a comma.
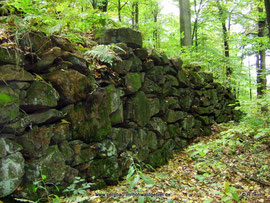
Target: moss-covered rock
{"x": 203, "y": 110}
{"x": 156, "y": 74}
{"x": 39, "y": 96}
{"x": 14, "y": 73}
{"x": 122, "y": 67}
{"x": 141, "y": 53}
{"x": 70, "y": 84}
{"x": 106, "y": 149}
{"x": 36, "y": 42}
{"x": 36, "y": 141}
{"x": 47, "y": 59}
{"x": 177, "y": 63}
{"x": 122, "y": 138}
{"x": 150, "y": 87}
{"x": 154, "y": 106}
{"x": 136, "y": 64}
{"x": 91, "y": 122}
{"x": 46, "y": 117}
{"x": 51, "y": 164}
{"x": 174, "y": 130}
{"x": 158, "y": 125}
{"x": 9, "y": 104}
{"x": 138, "y": 109}
{"x": 11, "y": 56}
{"x": 180, "y": 142}
{"x": 188, "y": 122}
{"x": 173, "y": 116}
{"x": 183, "y": 78}
{"x": 133, "y": 82}
{"x": 108, "y": 169}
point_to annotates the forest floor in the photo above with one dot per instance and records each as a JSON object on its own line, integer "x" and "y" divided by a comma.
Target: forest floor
{"x": 224, "y": 167}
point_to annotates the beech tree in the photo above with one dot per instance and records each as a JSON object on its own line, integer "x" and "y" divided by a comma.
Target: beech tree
{"x": 185, "y": 23}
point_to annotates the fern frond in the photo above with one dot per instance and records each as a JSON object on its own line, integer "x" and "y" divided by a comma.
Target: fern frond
{"x": 104, "y": 53}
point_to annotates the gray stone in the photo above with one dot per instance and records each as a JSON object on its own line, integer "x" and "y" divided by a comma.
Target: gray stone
{"x": 126, "y": 35}
{"x": 138, "y": 109}
{"x": 46, "y": 117}
{"x": 8, "y": 147}
{"x": 158, "y": 125}
{"x": 11, "y": 172}
{"x": 122, "y": 67}
{"x": 40, "y": 95}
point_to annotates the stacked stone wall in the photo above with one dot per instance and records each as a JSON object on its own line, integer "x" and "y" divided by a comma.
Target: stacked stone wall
{"x": 65, "y": 115}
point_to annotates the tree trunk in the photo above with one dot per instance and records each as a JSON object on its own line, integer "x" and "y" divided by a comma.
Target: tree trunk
{"x": 225, "y": 38}
{"x": 185, "y": 23}
{"x": 267, "y": 10}
{"x": 195, "y": 26}
{"x": 119, "y": 10}
{"x": 261, "y": 68}
{"x": 135, "y": 15}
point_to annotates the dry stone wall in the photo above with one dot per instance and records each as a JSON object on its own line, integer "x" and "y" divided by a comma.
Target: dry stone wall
{"x": 63, "y": 115}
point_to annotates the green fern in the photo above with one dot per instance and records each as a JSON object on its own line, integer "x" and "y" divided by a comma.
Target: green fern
{"x": 104, "y": 53}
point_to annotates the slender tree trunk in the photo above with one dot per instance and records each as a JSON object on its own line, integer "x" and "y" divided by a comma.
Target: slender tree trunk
{"x": 155, "y": 32}
{"x": 185, "y": 23}
{"x": 119, "y": 8}
{"x": 249, "y": 77}
{"x": 194, "y": 37}
{"x": 135, "y": 15}
{"x": 267, "y": 9}
{"x": 225, "y": 38}
{"x": 261, "y": 67}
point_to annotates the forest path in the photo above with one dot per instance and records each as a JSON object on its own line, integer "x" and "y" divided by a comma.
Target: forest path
{"x": 222, "y": 167}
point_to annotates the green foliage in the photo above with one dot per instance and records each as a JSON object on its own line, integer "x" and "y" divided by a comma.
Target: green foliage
{"x": 78, "y": 187}
{"x": 40, "y": 186}
{"x": 104, "y": 54}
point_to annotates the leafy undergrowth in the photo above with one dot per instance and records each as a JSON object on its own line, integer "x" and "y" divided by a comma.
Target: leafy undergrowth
{"x": 231, "y": 165}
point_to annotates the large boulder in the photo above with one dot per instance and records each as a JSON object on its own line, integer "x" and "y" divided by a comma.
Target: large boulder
{"x": 126, "y": 35}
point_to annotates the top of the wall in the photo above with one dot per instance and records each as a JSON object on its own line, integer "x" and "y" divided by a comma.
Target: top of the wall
{"x": 126, "y": 35}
